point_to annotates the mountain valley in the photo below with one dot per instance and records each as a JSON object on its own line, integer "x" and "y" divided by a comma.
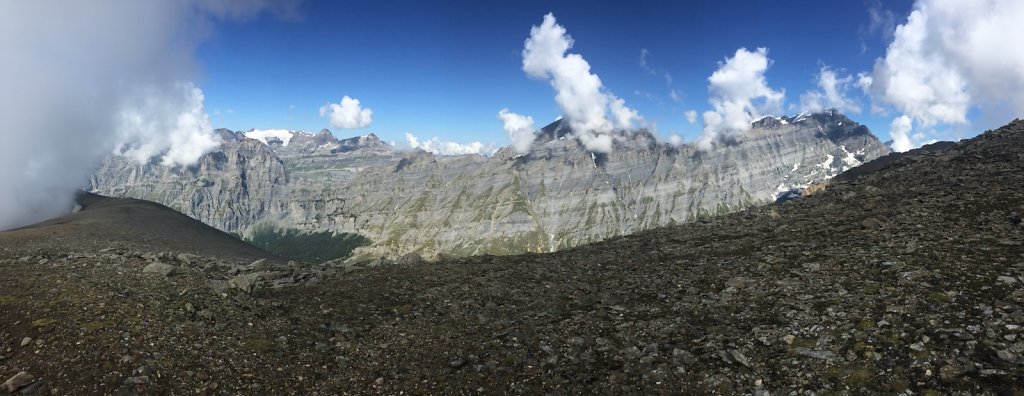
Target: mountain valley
{"x": 901, "y": 279}
{"x": 557, "y": 196}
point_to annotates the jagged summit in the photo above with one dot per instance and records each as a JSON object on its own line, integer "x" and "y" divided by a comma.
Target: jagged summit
{"x": 835, "y": 125}
{"x": 559, "y": 195}
{"x": 285, "y": 141}
{"x": 369, "y": 141}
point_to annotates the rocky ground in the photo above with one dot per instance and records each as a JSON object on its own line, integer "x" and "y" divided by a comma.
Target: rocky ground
{"x": 903, "y": 280}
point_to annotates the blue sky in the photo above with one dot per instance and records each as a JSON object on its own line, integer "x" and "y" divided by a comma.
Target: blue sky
{"x": 445, "y": 69}
{"x": 151, "y": 79}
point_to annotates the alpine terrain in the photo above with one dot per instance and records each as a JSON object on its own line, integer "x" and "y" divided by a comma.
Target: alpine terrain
{"x": 902, "y": 277}
{"x": 558, "y": 196}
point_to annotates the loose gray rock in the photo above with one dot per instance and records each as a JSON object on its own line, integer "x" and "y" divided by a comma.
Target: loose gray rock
{"x": 247, "y": 283}
{"x": 736, "y": 356}
{"x": 17, "y": 382}
{"x": 162, "y": 269}
{"x": 871, "y": 223}
{"x": 822, "y": 355}
{"x": 411, "y": 259}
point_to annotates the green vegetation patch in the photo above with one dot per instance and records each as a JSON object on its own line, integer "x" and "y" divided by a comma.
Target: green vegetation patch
{"x": 313, "y": 247}
{"x": 852, "y": 376}
{"x": 43, "y": 323}
{"x": 939, "y": 297}
{"x": 93, "y": 326}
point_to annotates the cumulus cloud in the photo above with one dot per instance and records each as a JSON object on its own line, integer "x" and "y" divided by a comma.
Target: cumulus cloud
{"x": 579, "y": 93}
{"x": 347, "y": 114}
{"x": 674, "y": 95}
{"x": 832, "y": 93}
{"x": 73, "y": 81}
{"x": 519, "y": 129}
{"x": 738, "y": 93}
{"x": 691, "y": 116}
{"x": 624, "y": 116}
{"x": 168, "y": 123}
{"x": 443, "y": 147}
{"x": 899, "y": 130}
{"x": 675, "y": 140}
{"x": 950, "y": 57}
{"x": 903, "y": 136}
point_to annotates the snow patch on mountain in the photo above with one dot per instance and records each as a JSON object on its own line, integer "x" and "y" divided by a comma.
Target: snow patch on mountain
{"x": 268, "y": 135}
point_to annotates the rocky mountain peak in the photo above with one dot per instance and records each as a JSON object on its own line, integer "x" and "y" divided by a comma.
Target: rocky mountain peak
{"x": 324, "y": 137}
{"x": 559, "y": 195}
{"x": 370, "y": 141}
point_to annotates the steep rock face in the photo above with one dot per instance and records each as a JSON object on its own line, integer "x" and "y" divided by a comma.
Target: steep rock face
{"x": 230, "y": 189}
{"x": 560, "y": 195}
{"x": 557, "y": 196}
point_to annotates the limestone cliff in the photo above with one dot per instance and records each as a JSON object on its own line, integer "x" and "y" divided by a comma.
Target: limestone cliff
{"x": 557, "y": 196}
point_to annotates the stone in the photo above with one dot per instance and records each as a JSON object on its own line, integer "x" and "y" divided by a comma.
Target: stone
{"x": 247, "y": 283}
{"x": 410, "y": 259}
{"x": 816, "y": 354}
{"x": 187, "y": 258}
{"x": 737, "y": 282}
{"x": 162, "y": 269}
{"x": 137, "y": 380}
{"x": 260, "y": 265}
{"x": 16, "y": 382}
{"x": 683, "y": 356}
{"x": 871, "y": 223}
{"x": 736, "y": 356}
{"x": 26, "y": 341}
{"x": 1006, "y": 355}
{"x": 1009, "y": 280}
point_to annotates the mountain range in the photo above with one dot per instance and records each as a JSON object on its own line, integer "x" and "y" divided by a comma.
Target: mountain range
{"x": 558, "y": 195}
{"x": 901, "y": 276}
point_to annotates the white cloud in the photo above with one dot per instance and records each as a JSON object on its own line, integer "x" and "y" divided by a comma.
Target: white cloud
{"x": 675, "y": 140}
{"x": 625, "y": 117}
{"x": 738, "y": 94}
{"x": 347, "y": 114}
{"x": 903, "y": 136}
{"x": 166, "y": 122}
{"x": 674, "y": 95}
{"x": 899, "y": 130}
{"x": 691, "y": 116}
{"x": 643, "y": 61}
{"x": 579, "y": 93}
{"x": 951, "y": 56}
{"x": 832, "y": 93}
{"x": 519, "y": 129}
{"x": 442, "y": 147}
{"x": 62, "y": 117}
{"x": 881, "y": 23}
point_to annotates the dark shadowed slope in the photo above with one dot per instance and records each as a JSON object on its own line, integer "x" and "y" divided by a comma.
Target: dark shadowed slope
{"x": 105, "y": 222}
{"x": 888, "y": 160}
